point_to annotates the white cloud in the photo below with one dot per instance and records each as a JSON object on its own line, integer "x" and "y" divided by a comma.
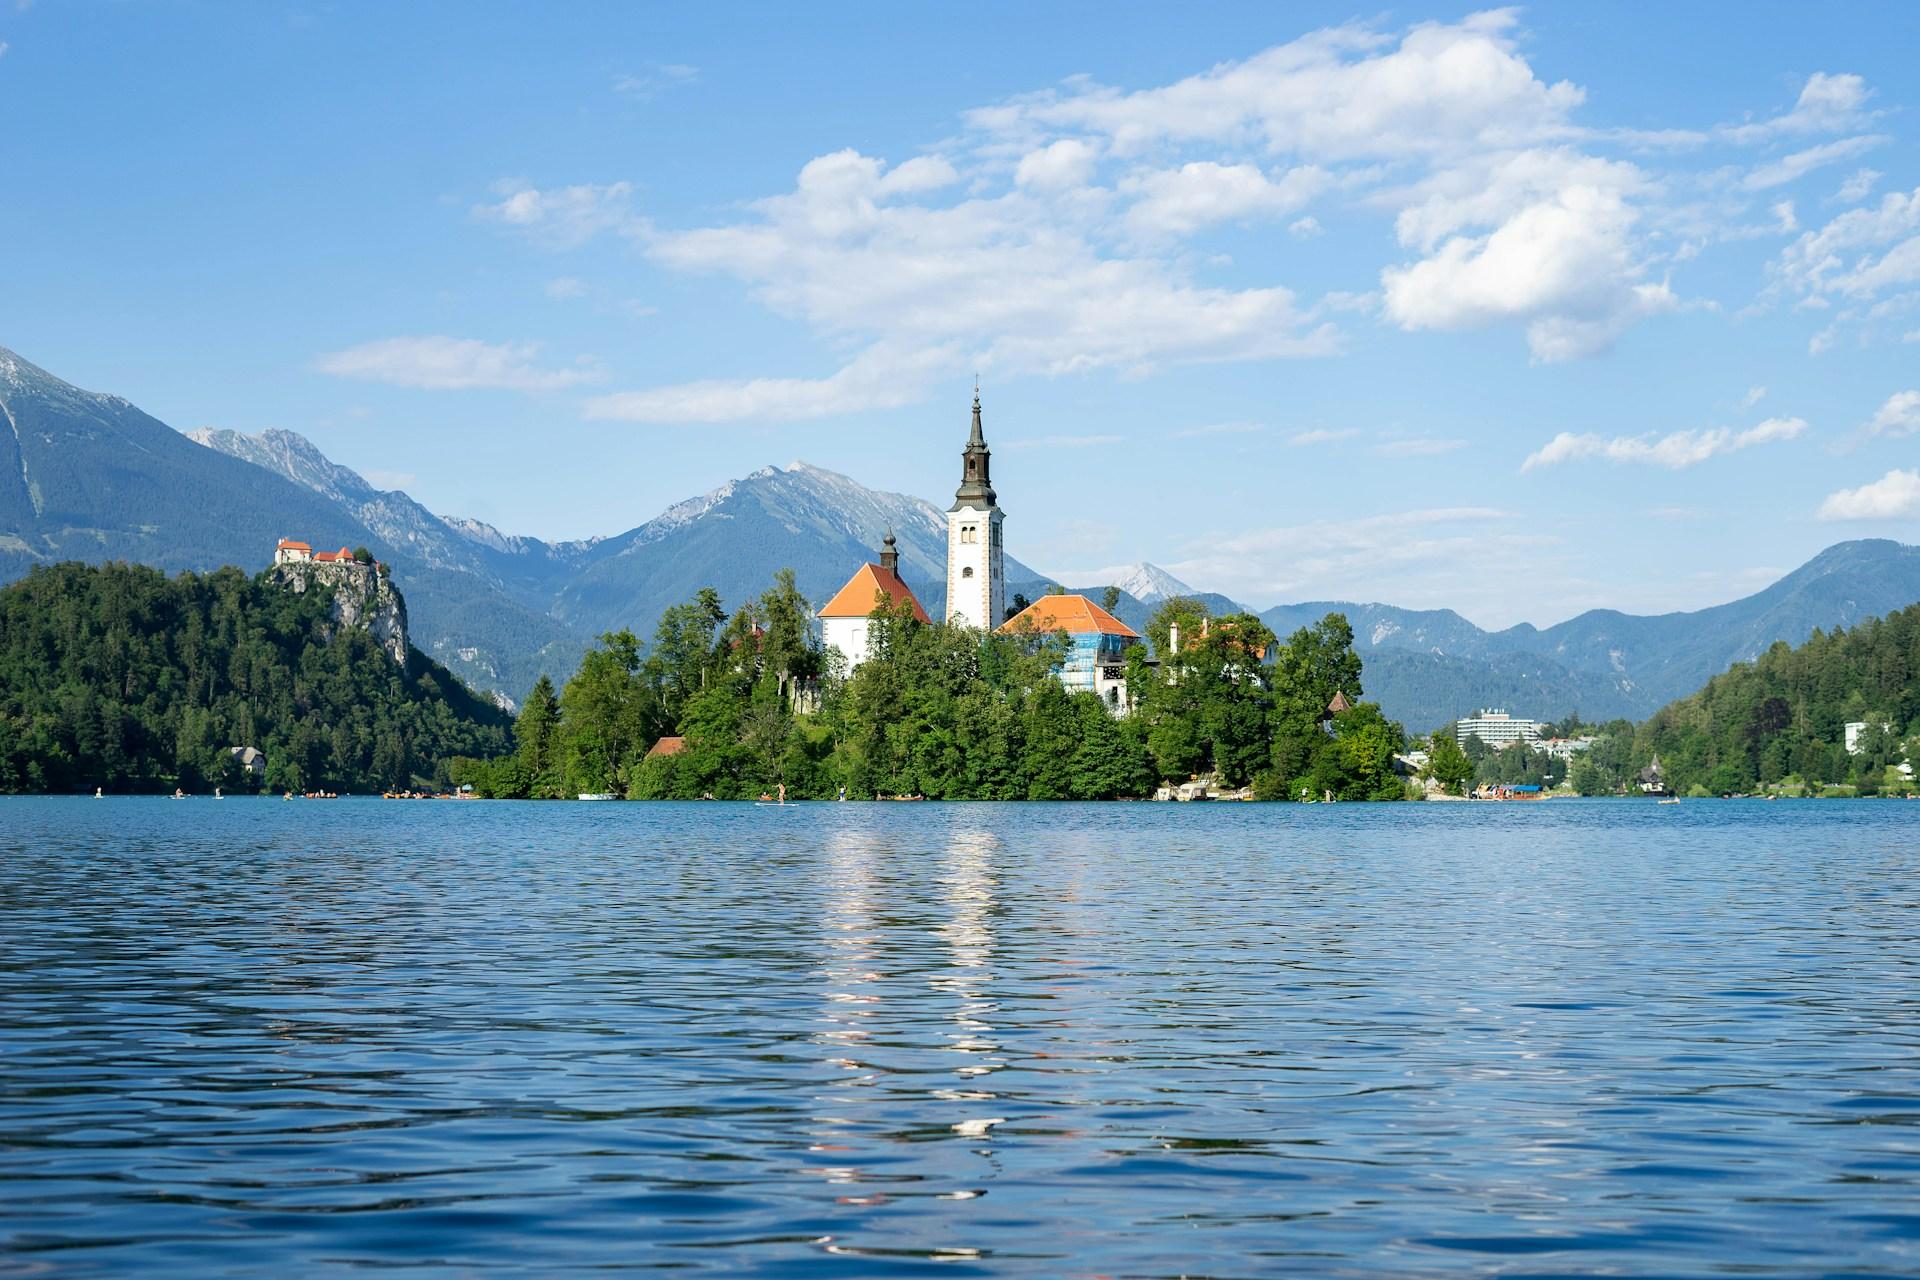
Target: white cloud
{"x": 1053, "y": 234}
{"x": 566, "y": 287}
{"x": 1793, "y": 167}
{"x": 1893, "y": 496}
{"x": 1860, "y": 253}
{"x": 1677, "y": 450}
{"x": 564, "y": 216}
{"x": 998, "y": 275}
{"x": 450, "y": 364}
{"x": 922, "y": 173}
{"x": 1058, "y": 165}
{"x": 1417, "y": 447}
{"x": 1783, "y": 217}
{"x": 1320, "y": 435}
{"x": 879, "y": 378}
{"x": 1565, "y": 267}
{"x": 4, "y": 46}
{"x": 655, "y": 78}
{"x": 1899, "y": 416}
{"x": 1341, "y": 93}
{"x": 1335, "y": 557}
{"x": 1181, "y": 201}
{"x": 1857, "y": 186}
{"x": 1753, "y": 397}
{"x": 1828, "y": 103}
{"x": 1219, "y": 429}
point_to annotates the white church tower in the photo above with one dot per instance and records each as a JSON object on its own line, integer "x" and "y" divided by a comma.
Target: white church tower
{"x": 976, "y": 560}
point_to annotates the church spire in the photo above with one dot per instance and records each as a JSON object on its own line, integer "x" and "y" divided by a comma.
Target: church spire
{"x": 976, "y": 486}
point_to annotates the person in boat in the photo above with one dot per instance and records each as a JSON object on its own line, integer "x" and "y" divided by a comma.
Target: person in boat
{"x": 765, "y": 798}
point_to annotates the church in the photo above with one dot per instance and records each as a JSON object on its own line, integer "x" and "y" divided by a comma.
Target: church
{"x": 976, "y": 563}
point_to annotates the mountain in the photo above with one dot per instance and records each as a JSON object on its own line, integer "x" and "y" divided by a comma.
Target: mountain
{"x": 86, "y": 476}
{"x": 1150, "y": 584}
{"x": 1429, "y": 667}
{"x": 818, "y": 523}
{"x": 90, "y": 477}
{"x": 526, "y": 568}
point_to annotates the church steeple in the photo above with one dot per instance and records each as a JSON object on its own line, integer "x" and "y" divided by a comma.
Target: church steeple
{"x": 976, "y": 488}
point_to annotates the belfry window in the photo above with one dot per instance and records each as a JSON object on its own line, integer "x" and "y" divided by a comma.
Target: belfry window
{"x": 967, "y": 572}
{"x": 969, "y": 533}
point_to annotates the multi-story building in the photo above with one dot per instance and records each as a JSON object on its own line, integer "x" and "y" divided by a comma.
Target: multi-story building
{"x": 1496, "y": 729}
{"x": 1096, "y": 660}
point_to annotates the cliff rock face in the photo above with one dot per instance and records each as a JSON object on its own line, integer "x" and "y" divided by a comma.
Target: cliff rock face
{"x": 363, "y": 599}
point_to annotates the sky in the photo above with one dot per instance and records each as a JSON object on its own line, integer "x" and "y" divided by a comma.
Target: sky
{"x": 1517, "y": 312}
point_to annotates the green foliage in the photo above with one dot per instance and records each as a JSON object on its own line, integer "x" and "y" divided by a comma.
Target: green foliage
{"x": 1781, "y": 720}
{"x": 116, "y": 676}
{"x": 934, "y": 710}
{"x": 1448, "y": 764}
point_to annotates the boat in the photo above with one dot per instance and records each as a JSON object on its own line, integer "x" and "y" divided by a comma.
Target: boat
{"x": 1670, "y": 800}
{"x": 598, "y": 795}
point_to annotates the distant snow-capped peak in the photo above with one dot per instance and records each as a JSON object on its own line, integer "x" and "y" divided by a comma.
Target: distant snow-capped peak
{"x": 1150, "y": 584}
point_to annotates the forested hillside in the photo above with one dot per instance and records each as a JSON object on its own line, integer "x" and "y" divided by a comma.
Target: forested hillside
{"x": 117, "y": 676}
{"x": 1783, "y": 717}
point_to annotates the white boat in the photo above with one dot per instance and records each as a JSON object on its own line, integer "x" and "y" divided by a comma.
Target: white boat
{"x": 598, "y": 795}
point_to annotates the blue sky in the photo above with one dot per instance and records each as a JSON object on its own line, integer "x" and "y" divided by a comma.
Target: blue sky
{"x": 1517, "y": 312}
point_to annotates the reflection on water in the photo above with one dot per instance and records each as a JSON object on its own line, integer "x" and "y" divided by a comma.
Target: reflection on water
{"x": 1042, "y": 1040}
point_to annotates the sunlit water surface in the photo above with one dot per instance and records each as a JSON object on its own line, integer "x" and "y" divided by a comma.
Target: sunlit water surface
{"x": 864, "y": 1040}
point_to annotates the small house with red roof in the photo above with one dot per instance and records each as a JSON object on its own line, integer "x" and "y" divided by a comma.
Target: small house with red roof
{"x": 289, "y": 551}
{"x": 1096, "y": 660}
{"x": 845, "y": 619}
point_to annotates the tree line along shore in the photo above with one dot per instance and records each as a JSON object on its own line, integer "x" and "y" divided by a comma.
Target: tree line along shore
{"x": 121, "y": 678}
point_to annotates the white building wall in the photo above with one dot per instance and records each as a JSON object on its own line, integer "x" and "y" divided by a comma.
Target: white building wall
{"x": 1496, "y": 729}
{"x": 976, "y": 572}
{"x": 849, "y": 636}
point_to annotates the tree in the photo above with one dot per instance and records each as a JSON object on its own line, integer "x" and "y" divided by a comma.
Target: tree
{"x": 535, "y": 732}
{"x": 1110, "y": 599}
{"x": 604, "y": 718}
{"x": 1448, "y": 764}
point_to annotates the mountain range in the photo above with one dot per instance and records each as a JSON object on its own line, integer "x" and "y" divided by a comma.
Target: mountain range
{"x": 88, "y": 476}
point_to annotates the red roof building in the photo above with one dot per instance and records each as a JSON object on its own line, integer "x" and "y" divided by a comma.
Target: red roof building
{"x": 845, "y": 619}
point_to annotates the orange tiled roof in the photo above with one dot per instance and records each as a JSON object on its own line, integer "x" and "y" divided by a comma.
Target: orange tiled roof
{"x": 1075, "y": 615}
{"x": 331, "y": 557}
{"x": 855, "y": 600}
{"x": 668, "y": 746}
{"x": 1339, "y": 703}
{"x": 288, "y": 544}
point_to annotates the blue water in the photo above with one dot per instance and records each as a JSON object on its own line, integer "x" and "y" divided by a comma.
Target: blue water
{"x": 1605, "y": 1038}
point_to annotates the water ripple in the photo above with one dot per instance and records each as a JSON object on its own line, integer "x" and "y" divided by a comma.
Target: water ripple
{"x": 859, "y": 1040}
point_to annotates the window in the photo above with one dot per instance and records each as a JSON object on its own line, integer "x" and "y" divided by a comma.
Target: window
{"x": 969, "y": 533}
{"x": 967, "y": 572}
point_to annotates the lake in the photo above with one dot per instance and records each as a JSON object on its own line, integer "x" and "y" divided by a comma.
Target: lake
{"x": 1569, "y": 1038}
